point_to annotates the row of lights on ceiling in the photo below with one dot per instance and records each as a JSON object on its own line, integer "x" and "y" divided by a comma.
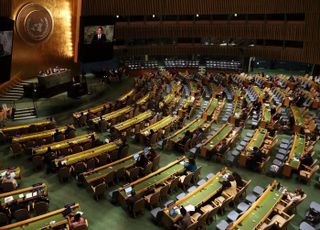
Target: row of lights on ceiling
{"x": 197, "y": 15}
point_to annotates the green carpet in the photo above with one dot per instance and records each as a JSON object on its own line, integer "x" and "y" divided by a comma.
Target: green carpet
{"x": 102, "y": 214}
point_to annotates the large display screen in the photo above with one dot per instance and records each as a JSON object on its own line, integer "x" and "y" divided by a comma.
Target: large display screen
{"x": 96, "y": 38}
{"x": 98, "y": 34}
{"x": 5, "y": 43}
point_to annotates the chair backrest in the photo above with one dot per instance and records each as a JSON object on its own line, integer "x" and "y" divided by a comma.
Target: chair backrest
{"x": 91, "y": 164}
{"x": 81, "y": 227}
{"x": 63, "y": 173}
{"x": 164, "y": 191}
{"x": 80, "y": 168}
{"x": 87, "y": 145}
{"x": 120, "y": 173}
{"x": 202, "y": 220}
{"x": 192, "y": 226}
{"x": 187, "y": 179}
{"x": 100, "y": 189}
{"x": 227, "y": 201}
{"x": 37, "y": 161}
{"x": 148, "y": 168}
{"x": 103, "y": 159}
{"x": 155, "y": 199}
{"x": 139, "y": 206}
{"x": 174, "y": 183}
{"x": 76, "y": 149}
{"x": 155, "y": 163}
{"x": 41, "y": 207}
{"x": 109, "y": 177}
{"x": 7, "y": 186}
{"x": 21, "y": 214}
{"x": 4, "y": 220}
{"x": 196, "y": 174}
{"x": 114, "y": 155}
{"x": 123, "y": 152}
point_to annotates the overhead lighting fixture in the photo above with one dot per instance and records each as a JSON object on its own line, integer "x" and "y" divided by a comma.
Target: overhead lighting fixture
{"x": 153, "y": 15}
{"x": 236, "y": 15}
{"x": 251, "y": 45}
{"x": 223, "y": 43}
{"x": 117, "y": 16}
{"x": 197, "y": 15}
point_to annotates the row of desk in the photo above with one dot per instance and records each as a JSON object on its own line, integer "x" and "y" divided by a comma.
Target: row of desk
{"x": 88, "y": 154}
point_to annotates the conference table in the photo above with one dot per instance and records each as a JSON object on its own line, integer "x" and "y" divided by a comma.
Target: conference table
{"x": 213, "y": 141}
{"x": 192, "y": 126}
{"x": 113, "y": 115}
{"x": 293, "y": 161}
{"x": 266, "y": 115}
{"x": 101, "y": 172}
{"x": 145, "y": 184}
{"x": 24, "y": 195}
{"x": 259, "y": 210}
{"x": 23, "y": 128}
{"x": 39, "y": 135}
{"x": 88, "y": 154}
{"x": 95, "y": 110}
{"x": 123, "y": 97}
{"x": 15, "y": 170}
{"x": 162, "y": 124}
{"x": 120, "y": 127}
{"x": 298, "y": 118}
{"x": 49, "y": 220}
{"x": 144, "y": 99}
{"x": 79, "y": 140}
{"x": 196, "y": 198}
{"x": 212, "y": 105}
{"x": 256, "y": 141}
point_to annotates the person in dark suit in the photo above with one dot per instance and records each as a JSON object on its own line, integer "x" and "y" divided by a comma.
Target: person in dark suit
{"x": 99, "y": 37}
{"x": 254, "y": 159}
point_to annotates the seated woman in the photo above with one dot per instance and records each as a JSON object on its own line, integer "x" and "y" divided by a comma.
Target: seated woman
{"x": 190, "y": 167}
{"x": 9, "y": 178}
{"x": 295, "y": 196}
{"x": 229, "y": 187}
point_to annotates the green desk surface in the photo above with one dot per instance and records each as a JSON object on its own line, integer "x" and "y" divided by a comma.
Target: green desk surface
{"x": 266, "y": 114}
{"x": 38, "y": 135}
{"x": 87, "y": 154}
{"x": 260, "y": 213}
{"x": 114, "y": 114}
{"x": 105, "y": 170}
{"x": 297, "y": 114}
{"x": 24, "y": 126}
{"x": 45, "y": 222}
{"x": 187, "y": 103}
{"x": 133, "y": 121}
{"x": 62, "y": 144}
{"x": 294, "y": 160}
{"x": 257, "y": 140}
{"x": 204, "y": 194}
{"x": 157, "y": 178}
{"x": 213, "y": 105}
{"x": 160, "y": 124}
{"x": 168, "y": 99}
{"x": 143, "y": 99}
{"x": 40, "y": 189}
{"x": 95, "y": 109}
{"x": 195, "y": 125}
{"x": 218, "y": 137}
{"x": 124, "y": 96}
{"x": 258, "y": 91}
{"x": 193, "y": 87}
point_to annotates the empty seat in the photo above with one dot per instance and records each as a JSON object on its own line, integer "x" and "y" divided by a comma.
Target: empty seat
{"x": 258, "y": 190}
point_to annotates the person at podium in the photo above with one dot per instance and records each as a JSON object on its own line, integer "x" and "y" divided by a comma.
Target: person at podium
{"x": 99, "y": 36}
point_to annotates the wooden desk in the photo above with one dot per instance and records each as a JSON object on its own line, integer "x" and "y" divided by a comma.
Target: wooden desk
{"x": 196, "y": 198}
{"x": 63, "y": 144}
{"x": 298, "y": 118}
{"x": 145, "y": 184}
{"x": 39, "y": 135}
{"x": 11, "y": 131}
{"x": 113, "y": 115}
{"x": 256, "y": 141}
{"x": 24, "y": 194}
{"x": 179, "y": 135}
{"x": 259, "y": 210}
{"x": 144, "y": 99}
{"x": 120, "y": 127}
{"x": 94, "y": 110}
{"x": 101, "y": 172}
{"x": 213, "y": 141}
{"x": 297, "y": 150}
{"x": 88, "y": 154}
{"x": 212, "y": 105}
{"x": 126, "y": 95}
{"x": 46, "y": 221}
{"x": 266, "y": 116}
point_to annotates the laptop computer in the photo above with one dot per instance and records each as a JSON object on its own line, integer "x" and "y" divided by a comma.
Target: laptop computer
{"x": 128, "y": 190}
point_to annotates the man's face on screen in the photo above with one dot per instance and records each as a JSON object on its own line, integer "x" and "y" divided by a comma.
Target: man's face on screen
{"x": 99, "y": 31}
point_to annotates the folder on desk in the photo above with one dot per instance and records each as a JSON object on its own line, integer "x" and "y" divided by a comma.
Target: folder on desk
{"x": 8, "y": 199}
{"x": 29, "y": 195}
{"x": 190, "y": 208}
